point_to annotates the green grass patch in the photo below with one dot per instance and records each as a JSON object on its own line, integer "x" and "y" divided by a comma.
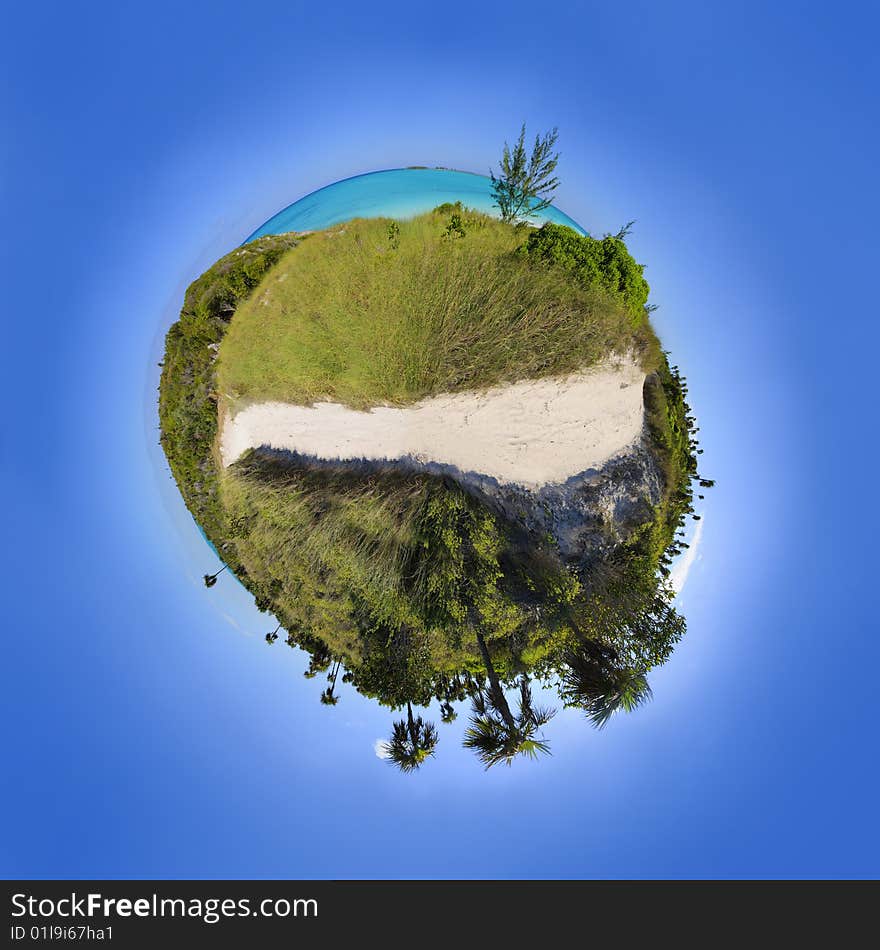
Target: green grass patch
{"x": 375, "y": 311}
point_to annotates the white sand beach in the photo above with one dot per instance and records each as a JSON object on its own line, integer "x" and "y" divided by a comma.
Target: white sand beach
{"x": 530, "y": 433}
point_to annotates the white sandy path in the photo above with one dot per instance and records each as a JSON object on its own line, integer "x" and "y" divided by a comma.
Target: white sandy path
{"x": 530, "y": 433}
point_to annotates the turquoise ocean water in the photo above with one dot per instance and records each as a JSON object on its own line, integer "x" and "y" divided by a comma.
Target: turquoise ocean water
{"x": 396, "y": 193}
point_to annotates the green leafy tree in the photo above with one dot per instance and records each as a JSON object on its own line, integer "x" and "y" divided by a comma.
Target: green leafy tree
{"x": 412, "y": 741}
{"x": 631, "y": 614}
{"x": 397, "y": 668}
{"x": 525, "y": 182}
{"x": 319, "y": 660}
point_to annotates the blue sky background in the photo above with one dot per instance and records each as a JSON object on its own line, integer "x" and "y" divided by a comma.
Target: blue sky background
{"x": 148, "y": 730}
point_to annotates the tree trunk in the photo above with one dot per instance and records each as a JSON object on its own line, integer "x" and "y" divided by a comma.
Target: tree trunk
{"x": 333, "y": 676}
{"x": 500, "y": 700}
{"x": 412, "y": 725}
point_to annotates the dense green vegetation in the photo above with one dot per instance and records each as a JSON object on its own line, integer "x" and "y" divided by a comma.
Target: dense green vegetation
{"x": 406, "y": 584}
{"x": 605, "y": 264}
{"x": 187, "y": 389}
{"x": 391, "y": 312}
{"x": 354, "y": 557}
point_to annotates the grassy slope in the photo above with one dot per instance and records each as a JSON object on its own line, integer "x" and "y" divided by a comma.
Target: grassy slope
{"x": 361, "y": 317}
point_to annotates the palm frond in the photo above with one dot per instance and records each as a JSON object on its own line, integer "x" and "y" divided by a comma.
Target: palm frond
{"x": 405, "y": 753}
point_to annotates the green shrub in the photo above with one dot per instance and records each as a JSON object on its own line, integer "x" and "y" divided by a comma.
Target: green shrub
{"x": 597, "y": 263}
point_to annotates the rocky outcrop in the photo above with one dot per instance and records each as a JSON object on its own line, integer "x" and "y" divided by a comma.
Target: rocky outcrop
{"x": 590, "y": 512}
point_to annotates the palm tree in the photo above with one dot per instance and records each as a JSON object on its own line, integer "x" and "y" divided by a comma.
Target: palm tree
{"x": 412, "y": 741}
{"x": 593, "y": 682}
{"x": 211, "y": 579}
{"x": 327, "y": 697}
{"x": 495, "y": 733}
{"x": 273, "y": 636}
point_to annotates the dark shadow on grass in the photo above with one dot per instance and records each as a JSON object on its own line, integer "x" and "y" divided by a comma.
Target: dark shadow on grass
{"x": 587, "y": 514}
